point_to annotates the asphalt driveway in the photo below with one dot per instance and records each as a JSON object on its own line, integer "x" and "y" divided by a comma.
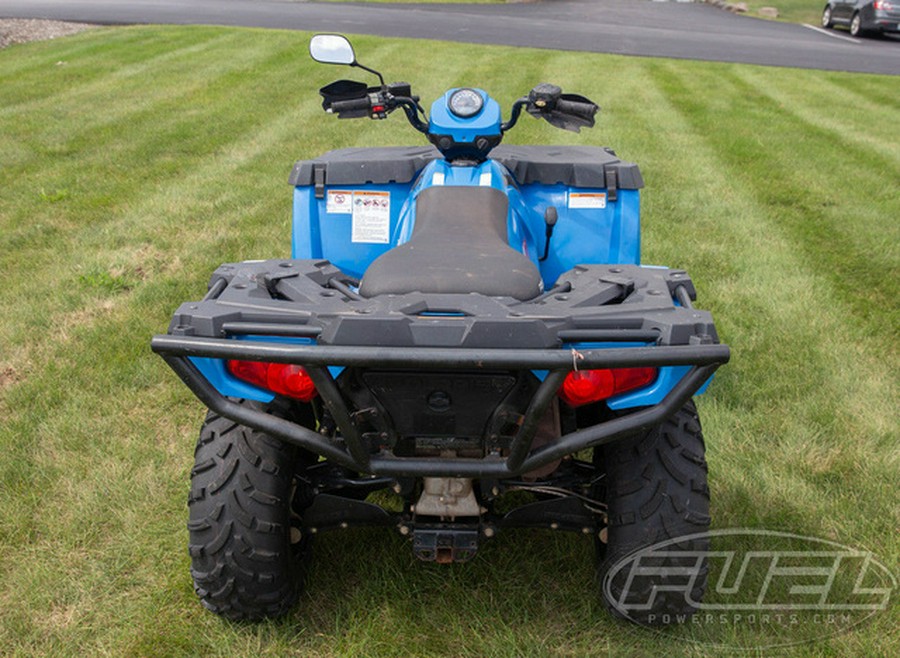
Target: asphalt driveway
{"x": 627, "y": 27}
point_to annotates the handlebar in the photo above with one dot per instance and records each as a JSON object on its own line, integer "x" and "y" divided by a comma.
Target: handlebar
{"x": 352, "y": 105}
{"x": 350, "y": 100}
{"x": 545, "y": 101}
{"x": 411, "y": 107}
{"x": 576, "y": 108}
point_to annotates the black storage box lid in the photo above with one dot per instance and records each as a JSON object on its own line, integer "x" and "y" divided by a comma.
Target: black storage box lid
{"x": 575, "y": 166}
{"x": 358, "y": 166}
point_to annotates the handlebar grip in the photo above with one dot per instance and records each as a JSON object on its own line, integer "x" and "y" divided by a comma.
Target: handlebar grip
{"x": 576, "y": 108}
{"x": 353, "y": 105}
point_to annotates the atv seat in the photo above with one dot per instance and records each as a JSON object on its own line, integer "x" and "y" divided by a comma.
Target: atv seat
{"x": 459, "y": 245}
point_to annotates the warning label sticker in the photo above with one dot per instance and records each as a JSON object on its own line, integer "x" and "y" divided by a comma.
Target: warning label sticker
{"x": 371, "y": 217}
{"x": 587, "y": 200}
{"x": 339, "y": 202}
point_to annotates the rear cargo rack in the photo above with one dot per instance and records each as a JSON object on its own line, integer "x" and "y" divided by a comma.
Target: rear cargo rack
{"x": 704, "y": 360}
{"x": 598, "y": 317}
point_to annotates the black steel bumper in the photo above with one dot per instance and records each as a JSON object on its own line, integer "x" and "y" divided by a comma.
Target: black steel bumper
{"x": 350, "y": 450}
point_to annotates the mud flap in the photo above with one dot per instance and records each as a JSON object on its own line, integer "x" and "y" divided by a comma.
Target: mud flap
{"x": 328, "y": 511}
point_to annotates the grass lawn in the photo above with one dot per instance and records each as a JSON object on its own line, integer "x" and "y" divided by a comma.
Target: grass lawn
{"x": 796, "y": 11}
{"x": 133, "y": 161}
{"x": 420, "y": 2}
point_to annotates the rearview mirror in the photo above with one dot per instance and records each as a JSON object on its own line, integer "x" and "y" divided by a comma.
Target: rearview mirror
{"x": 332, "y": 49}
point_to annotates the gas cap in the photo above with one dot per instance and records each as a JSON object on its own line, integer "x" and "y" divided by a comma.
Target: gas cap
{"x": 439, "y": 401}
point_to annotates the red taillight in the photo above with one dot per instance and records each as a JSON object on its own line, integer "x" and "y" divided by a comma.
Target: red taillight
{"x": 882, "y": 5}
{"x": 281, "y": 378}
{"x": 585, "y": 386}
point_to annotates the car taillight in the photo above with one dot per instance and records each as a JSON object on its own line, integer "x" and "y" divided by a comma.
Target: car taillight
{"x": 585, "y": 386}
{"x": 281, "y": 378}
{"x": 882, "y": 5}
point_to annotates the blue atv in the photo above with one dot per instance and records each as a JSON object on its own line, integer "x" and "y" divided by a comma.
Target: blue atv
{"x": 458, "y": 322}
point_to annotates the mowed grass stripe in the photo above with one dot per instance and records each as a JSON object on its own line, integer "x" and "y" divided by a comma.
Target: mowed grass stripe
{"x": 805, "y": 364}
{"x": 840, "y": 227}
{"x": 163, "y": 144}
{"x": 182, "y": 210}
{"x": 99, "y": 248}
{"x": 843, "y": 236}
{"x": 836, "y": 107}
{"x": 822, "y": 195}
{"x": 112, "y": 64}
{"x": 135, "y": 113}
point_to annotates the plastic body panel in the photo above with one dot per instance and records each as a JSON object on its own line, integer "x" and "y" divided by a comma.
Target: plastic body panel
{"x": 607, "y": 235}
{"x": 591, "y": 228}
{"x": 318, "y": 233}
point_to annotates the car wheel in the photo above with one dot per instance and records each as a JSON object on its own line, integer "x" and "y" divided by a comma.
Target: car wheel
{"x": 826, "y": 18}
{"x": 856, "y": 26}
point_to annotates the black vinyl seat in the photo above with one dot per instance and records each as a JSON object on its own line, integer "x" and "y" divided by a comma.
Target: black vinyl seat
{"x": 459, "y": 245}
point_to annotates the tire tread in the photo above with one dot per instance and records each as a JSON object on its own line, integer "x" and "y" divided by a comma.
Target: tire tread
{"x": 657, "y": 491}
{"x": 242, "y": 561}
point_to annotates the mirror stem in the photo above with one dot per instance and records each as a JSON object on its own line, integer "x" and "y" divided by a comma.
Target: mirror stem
{"x": 366, "y": 68}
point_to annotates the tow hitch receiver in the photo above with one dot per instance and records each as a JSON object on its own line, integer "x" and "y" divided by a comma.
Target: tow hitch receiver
{"x": 445, "y": 543}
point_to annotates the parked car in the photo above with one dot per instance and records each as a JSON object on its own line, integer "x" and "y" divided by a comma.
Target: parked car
{"x": 863, "y": 17}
